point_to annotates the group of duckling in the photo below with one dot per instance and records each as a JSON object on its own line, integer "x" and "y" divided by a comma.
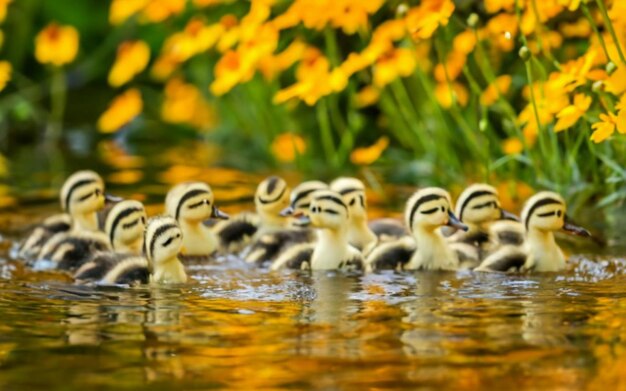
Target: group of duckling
{"x": 313, "y": 226}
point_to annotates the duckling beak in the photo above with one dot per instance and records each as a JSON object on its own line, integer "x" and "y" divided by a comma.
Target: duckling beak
{"x": 218, "y": 214}
{"x": 506, "y": 215}
{"x": 111, "y": 199}
{"x": 288, "y": 211}
{"x": 302, "y": 221}
{"x": 574, "y": 229}
{"x": 454, "y": 222}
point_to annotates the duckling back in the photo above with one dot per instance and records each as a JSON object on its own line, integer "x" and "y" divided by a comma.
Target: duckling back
{"x": 31, "y": 246}
{"x": 68, "y": 251}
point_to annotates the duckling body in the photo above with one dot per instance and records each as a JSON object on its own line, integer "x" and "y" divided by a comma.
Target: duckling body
{"x": 51, "y": 226}
{"x": 352, "y": 191}
{"x": 329, "y": 214}
{"x": 543, "y": 214}
{"x": 426, "y": 211}
{"x": 68, "y": 251}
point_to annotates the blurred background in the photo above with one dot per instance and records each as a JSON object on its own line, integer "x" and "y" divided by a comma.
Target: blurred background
{"x": 523, "y": 94}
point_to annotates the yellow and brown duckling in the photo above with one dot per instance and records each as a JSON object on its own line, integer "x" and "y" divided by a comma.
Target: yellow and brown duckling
{"x": 81, "y": 197}
{"x": 191, "y": 204}
{"x": 160, "y": 264}
{"x": 271, "y": 197}
{"x": 543, "y": 214}
{"x": 426, "y": 212}
{"x": 329, "y": 214}
{"x": 267, "y": 247}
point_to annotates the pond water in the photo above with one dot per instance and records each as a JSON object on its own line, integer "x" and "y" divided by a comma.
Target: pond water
{"x": 235, "y": 326}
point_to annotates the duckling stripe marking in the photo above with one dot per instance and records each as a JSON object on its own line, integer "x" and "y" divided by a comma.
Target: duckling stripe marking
{"x": 271, "y": 184}
{"x": 124, "y": 213}
{"x": 159, "y": 231}
{"x": 333, "y": 199}
{"x": 278, "y": 197}
{"x": 301, "y": 195}
{"x": 539, "y": 204}
{"x": 420, "y": 201}
{"x": 349, "y": 190}
{"x": 187, "y": 196}
{"x": 475, "y": 194}
{"x": 76, "y": 185}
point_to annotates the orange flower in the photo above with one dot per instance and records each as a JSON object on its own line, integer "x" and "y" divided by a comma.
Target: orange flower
{"x": 5, "y": 74}
{"x": 502, "y": 30}
{"x": 4, "y": 4}
{"x": 121, "y": 10}
{"x": 56, "y": 45}
{"x": 121, "y": 111}
{"x": 512, "y": 146}
{"x": 164, "y": 66}
{"x": 368, "y": 155}
{"x": 578, "y": 29}
{"x": 464, "y": 42}
{"x": 453, "y": 67}
{"x": 400, "y": 62}
{"x": 423, "y": 20}
{"x": 132, "y": 58}
{"x": 572, "y": 113}
{"x": 184, "y": 104}
{"x": 157, "y": 11}
{"x": 230, "y": 70}
{"x": 607, "y": 125}
{"x": 445, "y": 93}
{"x": 499, "y": 87}
{"x": 287, "y": 146}
{"x": 367, "y": 96}
{"x": 493, "y": 6}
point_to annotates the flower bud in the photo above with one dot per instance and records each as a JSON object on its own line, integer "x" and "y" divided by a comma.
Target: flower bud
{"x": 473, "y": 20}
{"x": 610, "y": 67}
{"x": 524, "y": 53}
{"x": 482, "y": 124}
{"x": 597, "y": 86}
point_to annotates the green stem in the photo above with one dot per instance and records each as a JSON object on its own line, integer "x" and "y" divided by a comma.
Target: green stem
{"x": 609, "y": 26}
{"x": 529, "y": 74}
{"x": 595, "y": 29}
{"x": 326, "y": 131}
{"x": 58, "y": 97}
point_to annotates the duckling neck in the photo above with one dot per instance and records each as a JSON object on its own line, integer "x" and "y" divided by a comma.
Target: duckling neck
{"x": 85, "y": 221}
{"x": 198, "y": 239}
{"x": 271, "y": 222}
{"x": 545, "y": 254}
{"x": 170, "y": 271}
{"x": 432, "y": 253}
{"x": 131, "y": 247}
{"x": 331, "y": 248}
{"x": 359, "y": 234}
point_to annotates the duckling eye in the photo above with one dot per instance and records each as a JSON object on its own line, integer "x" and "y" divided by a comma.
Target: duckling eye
{"x": 443, "y": 209}
{"x": 97, "y": 192}
{"x": 177, "y": 236}
{"x": 168, "y": 242}
{"x": 143, "y": 219}
{"x": 353, "y": 201}
{"x": 559, "y": 213}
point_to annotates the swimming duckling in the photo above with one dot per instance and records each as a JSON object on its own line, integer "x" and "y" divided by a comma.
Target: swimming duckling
{"x": 268, "y": 246}
{"x": 543, "y": 214}
{"x": 81, "y": 196}
{"x": 329, "y": 214}
{"x": 125, "y": 225}
{"x": 190, "y": 204}
{"x": 161, "y": 265}
{"x": 271, "y": 197}
{"x": 426, "y": 211}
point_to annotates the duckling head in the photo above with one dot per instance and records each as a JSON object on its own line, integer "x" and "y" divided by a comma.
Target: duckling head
{"x": 83, "y": 193}
{"x": 327, "y": 211}
{"x": 352, "y": 191}
{"x": 479, "y": 204}
{"x": 125, "y": 225}
{"x": 429, "y": 209}
{"x": 163, "y": 239}
{"x": 192, "y": 202}
{"x": 300, "y": 198}
{"x": 545, "y": 212}
{"x": 272, "y": 196}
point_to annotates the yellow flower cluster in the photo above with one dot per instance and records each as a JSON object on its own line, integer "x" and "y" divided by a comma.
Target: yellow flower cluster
{"x": 121, "y": 111}
{"x": 132, "y": 58}
{"x": 183, "y": 104}
{"x": 56, "y": 45}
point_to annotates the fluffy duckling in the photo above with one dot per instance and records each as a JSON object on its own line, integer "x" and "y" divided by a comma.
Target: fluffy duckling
{"x": 161, "y": 265}
{"x": 426, "y": 211}
{"x": 191, "y": 204}
{"x": 125, "y": 225}
{"x": 543, "y": 214}
{"x": 81, "y": 196}
{"x": 329, "y": 214}
{"x": 271, "y": 197}
{"x": 268, "y": 246}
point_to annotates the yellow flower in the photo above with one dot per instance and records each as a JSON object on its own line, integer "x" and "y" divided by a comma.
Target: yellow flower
{"x": 424, "y": 19}
{"x": 512, "y": 146}
{"x": 400, "y": 62}
{"x": 368, "y": 96}
{"x": 616, "y": 83}
{"x": 230, "y": 70}
{"x": 5, "y": 74}
{"x": 132, "y": 58}
{"x": 368, "y": 155}
{"x": 571, "y": 5}
{"x": 453, "y": 67}
{"x": 502, "y": 30}
{"x": 499, "y": 87}
{"x": 445, "y": 93}
{"x": 184, "y": 104}
{"x": 272, "y": 65}
{"x": 578, "y": 29}
{"x": 287, "y": 146}
{"x": 164, "y": 66}
{"x": 121, "y": 10}
{"x": 56, "y": 45}
{"x": 121, "y": 111}
{"x": 493, "y": 6}
{"x": 607, "y": 125}
{"x": 4, "y": 4}
{"x": 464, "y": 42}
{"x": 194, "y": 39}
{"x": 572, "y": 113}
{"x": 157, "y": 11}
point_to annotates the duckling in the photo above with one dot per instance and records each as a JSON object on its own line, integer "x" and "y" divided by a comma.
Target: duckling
{"x": 271, "y": 197}
{"x": 81, "y": 196}
{"x": 190, "y": 204}
{"x": 124, "y": 227}
{"x": 268, "y": 246}
{"x": 329, "y": 214}
{"x": 426, "y": 211}
{"x": 163, "y": 239}
{"x": 543, "y": 214}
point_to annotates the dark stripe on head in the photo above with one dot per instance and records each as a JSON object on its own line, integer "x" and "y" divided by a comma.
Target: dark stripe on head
{"x": 74, "y": 187}
{"x": 349, "y": 190}
{"x": 278, "y": 197}
{"x": 301, "y": 195}
{"x": 124, "y": 213}
{"x": 160, "y": 231}
{"x": 271, "y": 184}
{"x": 419, "y": 202}
{"x": 475, "y": 194}
{"x": 334, "y": 199}
{"x": 539, "y": 204}
{"x": 187, "y": 196}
